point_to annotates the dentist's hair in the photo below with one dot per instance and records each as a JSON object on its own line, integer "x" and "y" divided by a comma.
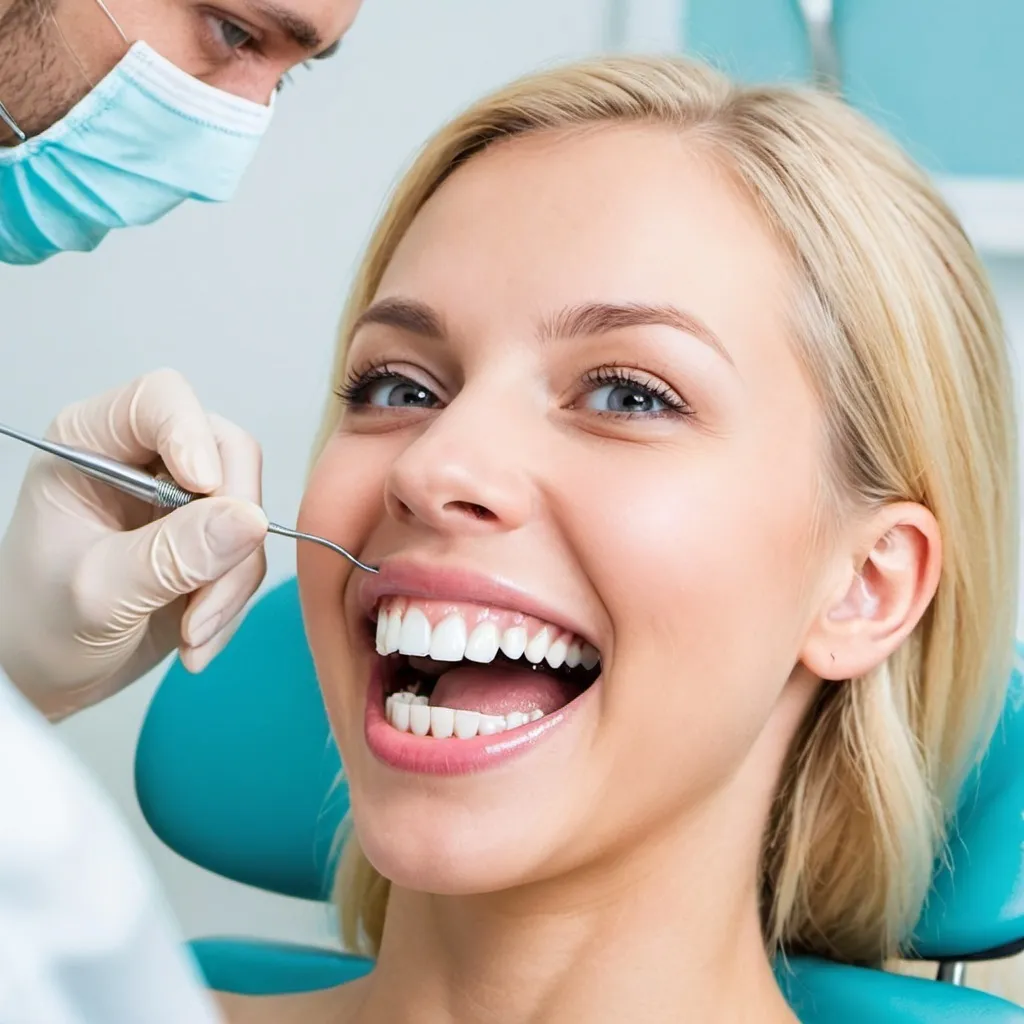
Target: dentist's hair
{"x": 900, "y": 335}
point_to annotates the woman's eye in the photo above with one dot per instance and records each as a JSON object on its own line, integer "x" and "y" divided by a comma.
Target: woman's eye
{"x": 624, "y": 398}
{"x": 399, "y": 394}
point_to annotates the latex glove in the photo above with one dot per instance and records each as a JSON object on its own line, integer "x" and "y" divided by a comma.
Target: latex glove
{"x": 96, "y": 587}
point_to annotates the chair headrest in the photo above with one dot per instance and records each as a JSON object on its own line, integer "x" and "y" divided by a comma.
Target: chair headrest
{"x": 236, "y": 770}
{"x": 977, "y": 900}
{"x": 235, "y": 767}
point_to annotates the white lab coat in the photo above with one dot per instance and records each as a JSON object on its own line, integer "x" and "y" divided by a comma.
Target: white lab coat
{"x": 85, "y": 937}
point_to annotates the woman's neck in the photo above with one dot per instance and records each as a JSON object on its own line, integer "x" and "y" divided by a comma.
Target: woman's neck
{"x": 666, "y": 936}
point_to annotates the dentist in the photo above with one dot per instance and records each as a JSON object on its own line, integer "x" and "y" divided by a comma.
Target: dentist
{"x": 112, "y": 112}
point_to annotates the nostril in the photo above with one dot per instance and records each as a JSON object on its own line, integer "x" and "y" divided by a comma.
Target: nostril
{"x": 470, "y": 508}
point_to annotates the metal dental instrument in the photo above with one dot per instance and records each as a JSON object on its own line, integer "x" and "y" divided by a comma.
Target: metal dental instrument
{"x": 151, "y": 489}
{"x": 819, "y": 18}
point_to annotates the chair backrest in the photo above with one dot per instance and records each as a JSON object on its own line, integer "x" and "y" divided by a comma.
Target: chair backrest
{"x": 236, "y": 771}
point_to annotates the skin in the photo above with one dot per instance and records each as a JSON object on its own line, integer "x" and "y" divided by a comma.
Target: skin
{"x": 611, "y": 873}
{"x": 52, "y": 52}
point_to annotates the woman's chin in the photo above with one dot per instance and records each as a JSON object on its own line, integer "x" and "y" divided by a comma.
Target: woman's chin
{"x": 447, "y": 860}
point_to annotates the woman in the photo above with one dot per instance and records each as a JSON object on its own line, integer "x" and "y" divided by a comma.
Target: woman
{"x": 678, "y": 417}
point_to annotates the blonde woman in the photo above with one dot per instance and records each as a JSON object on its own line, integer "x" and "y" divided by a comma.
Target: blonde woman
{"x": 678, "y": 417}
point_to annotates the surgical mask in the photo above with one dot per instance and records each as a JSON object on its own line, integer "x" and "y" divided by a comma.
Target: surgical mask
{"x": 146, "y": 138}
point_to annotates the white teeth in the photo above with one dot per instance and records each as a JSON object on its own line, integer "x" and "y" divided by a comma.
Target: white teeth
{"x": 415, "y": 635}
{"x": 409, "y": 712}
{"x": 589, "y": 656}
{"x": 466, "y": 724}
{"x": 557, "y": 652}
{"x": 491, "y": 724}
{"x": 513, "y": 642}
{"x": 538, "y": 647}
{"x": 448, "y": 642}
{"x": 442, "y": 723}
{"x": 400, "y": 715}
{"x": 382, "y": 631}
{"x": 421, "y": 698}
{"x": 419, "y": 719}
{"x": 393, "y": 633}
{"x": 574, "y": 655}
{"x": 482, "y": 645}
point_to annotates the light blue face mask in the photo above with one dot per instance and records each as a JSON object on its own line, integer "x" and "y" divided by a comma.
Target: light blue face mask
{"x": 146, "y": 138}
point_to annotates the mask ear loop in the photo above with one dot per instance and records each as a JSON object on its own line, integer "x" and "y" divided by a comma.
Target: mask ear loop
{"x": 5, "y": 114}
{"x": 113, "y": 21}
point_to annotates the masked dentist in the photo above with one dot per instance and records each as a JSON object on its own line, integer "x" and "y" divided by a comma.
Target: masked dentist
{"x": 112, "y": 112}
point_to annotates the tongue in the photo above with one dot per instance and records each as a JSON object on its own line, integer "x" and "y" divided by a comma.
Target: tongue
{"x": 498, "y": 691}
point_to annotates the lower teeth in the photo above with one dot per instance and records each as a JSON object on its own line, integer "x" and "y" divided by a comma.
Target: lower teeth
{"x": 409, "y": 712}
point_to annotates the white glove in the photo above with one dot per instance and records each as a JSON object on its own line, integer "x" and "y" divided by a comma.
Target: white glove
{"x": 96, "y": 587}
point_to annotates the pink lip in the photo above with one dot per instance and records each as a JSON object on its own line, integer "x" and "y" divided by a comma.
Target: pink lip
{"x": 429, "y": 756}
{"x": 413, "y": 579}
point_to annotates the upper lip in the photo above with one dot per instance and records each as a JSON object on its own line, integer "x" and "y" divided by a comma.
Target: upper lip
{"x": 409, "y": 578}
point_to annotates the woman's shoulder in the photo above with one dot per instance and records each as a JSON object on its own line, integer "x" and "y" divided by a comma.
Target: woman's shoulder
{"x": 298, "y": 1008}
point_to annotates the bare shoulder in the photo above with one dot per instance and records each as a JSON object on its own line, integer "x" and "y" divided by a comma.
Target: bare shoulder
{"x": 331, "y": 1004}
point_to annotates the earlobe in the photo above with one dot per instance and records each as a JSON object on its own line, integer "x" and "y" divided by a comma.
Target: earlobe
{"x": 880, "y": 597}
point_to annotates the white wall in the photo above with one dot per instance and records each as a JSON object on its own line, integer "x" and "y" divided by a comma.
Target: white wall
{"x": 244, "y": 300}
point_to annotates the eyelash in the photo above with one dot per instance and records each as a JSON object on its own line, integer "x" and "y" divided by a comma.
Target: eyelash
{"x": 639, "y": 380}
{"x": 358, "y": 382}
{"x": 353, "y": 391}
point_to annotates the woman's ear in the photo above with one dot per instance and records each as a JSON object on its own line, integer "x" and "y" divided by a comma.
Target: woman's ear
{"x": 881, "y": 595}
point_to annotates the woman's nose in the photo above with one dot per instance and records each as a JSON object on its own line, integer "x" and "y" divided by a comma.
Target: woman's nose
{"x": 468, "y": 472}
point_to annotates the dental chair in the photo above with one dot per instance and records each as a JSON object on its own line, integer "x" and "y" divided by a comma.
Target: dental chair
{"x": 236, "y": 771}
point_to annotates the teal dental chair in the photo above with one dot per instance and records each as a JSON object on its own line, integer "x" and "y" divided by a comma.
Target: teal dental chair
{"x": 236, "y": 771}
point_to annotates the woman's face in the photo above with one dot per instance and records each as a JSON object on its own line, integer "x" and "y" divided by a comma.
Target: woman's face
{"x": 576, "y": 422}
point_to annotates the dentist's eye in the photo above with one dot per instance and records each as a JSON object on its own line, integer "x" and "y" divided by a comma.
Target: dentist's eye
{"x": 228, "y": 36}
{"x": 385, "y": 389}
{"x": 619, "y": 392}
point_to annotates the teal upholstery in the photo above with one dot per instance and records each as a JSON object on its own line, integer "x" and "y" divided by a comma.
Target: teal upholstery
{"x": 976, "y": 905}
{"x": 236, "y": 770}
{"x": 944, "y": 76}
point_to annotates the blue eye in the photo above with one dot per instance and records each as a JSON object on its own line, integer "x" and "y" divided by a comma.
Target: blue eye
{"x": 400, "y": 394}
{"x": 386, "y": 390}
{"x": 628, "y": 399}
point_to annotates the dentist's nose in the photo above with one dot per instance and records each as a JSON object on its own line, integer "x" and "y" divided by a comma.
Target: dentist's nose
{"x": 466, "y": 473}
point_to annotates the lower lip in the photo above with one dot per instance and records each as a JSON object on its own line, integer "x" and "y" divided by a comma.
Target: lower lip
{"x": 428, "y": 756}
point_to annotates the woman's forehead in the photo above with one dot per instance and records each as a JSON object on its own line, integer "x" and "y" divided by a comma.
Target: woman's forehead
{"x": 626, "y": 214}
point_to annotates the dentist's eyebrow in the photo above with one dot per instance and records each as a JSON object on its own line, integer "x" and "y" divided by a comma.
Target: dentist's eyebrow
{"x": 300, "y": 30}
{"x": 405, "y": 315}
{"x": 602, "y": 317}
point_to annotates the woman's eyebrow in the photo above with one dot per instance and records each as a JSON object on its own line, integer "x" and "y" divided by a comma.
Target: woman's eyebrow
{"x": 603, "y": 317}
{"x": 588, "y": 318}
{"x": 406, "y": 315}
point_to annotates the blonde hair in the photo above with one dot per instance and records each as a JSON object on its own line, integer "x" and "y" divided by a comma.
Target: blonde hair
{"x": 902, "y": 339}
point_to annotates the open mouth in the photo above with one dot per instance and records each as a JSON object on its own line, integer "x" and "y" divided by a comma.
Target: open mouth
{"x": 464, "y": 670}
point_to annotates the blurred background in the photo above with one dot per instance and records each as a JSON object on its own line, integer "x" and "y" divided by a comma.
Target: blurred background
{"x": 244, "y": 298}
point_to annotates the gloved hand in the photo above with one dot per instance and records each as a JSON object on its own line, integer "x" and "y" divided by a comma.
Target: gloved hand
{"x": 96, "y": 587}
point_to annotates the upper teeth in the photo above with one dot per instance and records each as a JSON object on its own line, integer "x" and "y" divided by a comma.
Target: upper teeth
{"x": 407, "y": 630}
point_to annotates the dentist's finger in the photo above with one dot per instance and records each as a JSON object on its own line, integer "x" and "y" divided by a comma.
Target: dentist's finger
{"x": 195, "y": 659}
{"x": 155, "y": 415}
{"x": 126, "y": 577}
{"x": 217, "y": 603}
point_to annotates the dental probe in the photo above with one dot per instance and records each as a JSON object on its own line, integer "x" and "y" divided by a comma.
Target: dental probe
{"x": 151, "y": 489}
